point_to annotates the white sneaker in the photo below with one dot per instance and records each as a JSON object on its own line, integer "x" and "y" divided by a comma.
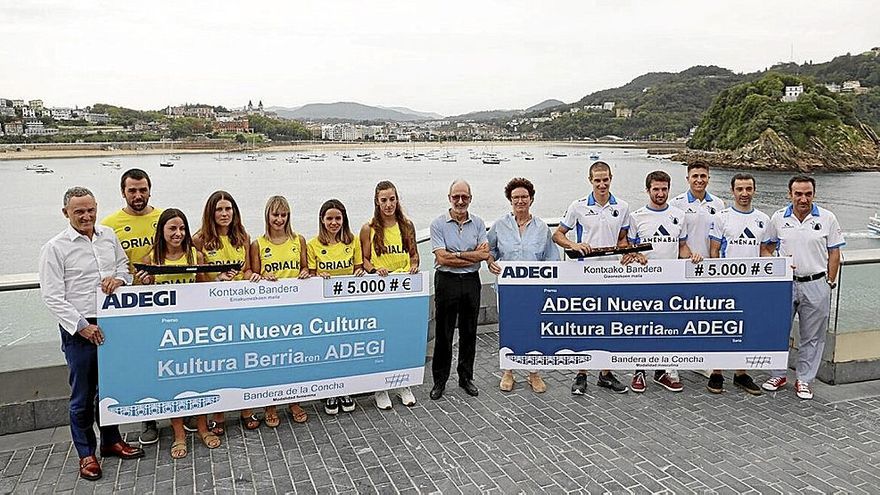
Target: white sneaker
{"x": 774, "y": 383}
{"x": 803, "y": 390}
{"x": 382, "y": 400}
{"x": 406, "y": 396}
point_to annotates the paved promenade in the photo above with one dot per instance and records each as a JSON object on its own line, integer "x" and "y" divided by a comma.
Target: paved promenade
{"x": 692, "y": 442}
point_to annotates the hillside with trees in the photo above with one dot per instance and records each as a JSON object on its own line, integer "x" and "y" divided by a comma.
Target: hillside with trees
{"x": 667, "y": 105}
{"x": 750, "y": 125}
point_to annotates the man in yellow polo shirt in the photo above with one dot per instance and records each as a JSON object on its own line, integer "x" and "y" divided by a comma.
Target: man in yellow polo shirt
{"x": 135, "y": 226}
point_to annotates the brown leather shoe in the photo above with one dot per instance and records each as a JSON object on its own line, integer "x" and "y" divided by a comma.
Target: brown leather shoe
{"x": 89, "y": 469}
{"x": 122, "y": 450}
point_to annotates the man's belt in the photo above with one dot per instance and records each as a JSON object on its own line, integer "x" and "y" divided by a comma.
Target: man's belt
{"x": 810, "y": 278}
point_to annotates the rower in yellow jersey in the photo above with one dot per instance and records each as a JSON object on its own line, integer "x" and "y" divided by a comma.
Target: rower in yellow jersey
{"x": 135, "y": 226}
{"x": 279, "y": 253}
{"x": 222, "y": 239}
{"x": 388, "y": 242}
{"x": 335, "y": 252}
{"x": 172, "y": 245}
{"x": 222, "y": 236}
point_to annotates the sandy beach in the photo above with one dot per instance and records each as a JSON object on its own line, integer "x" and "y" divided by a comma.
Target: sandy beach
{"x": 48, "y": 152}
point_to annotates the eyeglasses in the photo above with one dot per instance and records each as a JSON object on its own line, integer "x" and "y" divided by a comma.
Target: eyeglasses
{"x": 464, "y": 198}
{"x": 520, "y": 198}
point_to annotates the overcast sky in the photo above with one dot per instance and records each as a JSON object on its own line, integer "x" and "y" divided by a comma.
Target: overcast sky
{"x": 447, "y": 56}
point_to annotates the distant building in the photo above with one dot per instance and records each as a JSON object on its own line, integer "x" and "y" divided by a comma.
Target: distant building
{"x": 608, "y": 106}
{"x": 250, "y": 109}
{"x": 36, "y": 104}
{"x": 36, "y": 128}
{"x": 28, "y": 113}
{"x": 96, "y": 118}
{"x": 792, "y": 93}
{"x": 13, "y": 128}
{"x": 197, "y": 111}
{"x": 17, "y": 103}
{"x": 555, "y": 115}
{"x": 592, "y": 107}
{"x": 339, "y": 132}
{"x": 61, "y": 113}
{"x": 232, "y": 125}
{"x": 853, "y": 87}
{"x": 623, "y": 112}
{"x": 7, "y": 112}
{"x": 4, "y": 103}
{"x": 833, "y": 87}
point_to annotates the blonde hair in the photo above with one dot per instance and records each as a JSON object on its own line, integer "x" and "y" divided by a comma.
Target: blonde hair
{"x": 278, "y": 204}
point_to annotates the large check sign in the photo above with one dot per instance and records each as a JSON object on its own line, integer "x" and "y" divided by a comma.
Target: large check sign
{"x": 177, "y": 350}
{"x": 721, "y": 313}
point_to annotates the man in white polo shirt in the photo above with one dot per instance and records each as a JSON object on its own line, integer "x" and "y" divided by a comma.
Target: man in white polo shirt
{"x": 665, "y": 227}
{"x": 812, "y": 237}
{"x": 737, "y": 232}
{"x": 699, "y": 207}
{"x": 599, "y": 220}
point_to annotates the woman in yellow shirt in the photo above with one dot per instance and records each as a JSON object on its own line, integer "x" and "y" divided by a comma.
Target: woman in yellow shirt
{"x": 172, "y": 245}
{"x": 279, "y": 253}
{"x": 223, "y": 240}
{"x": 388, "y": 242}
{"x": 335, "y": 252}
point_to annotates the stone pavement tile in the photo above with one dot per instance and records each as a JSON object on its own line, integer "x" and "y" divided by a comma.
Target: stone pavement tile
{"x": 424, "y": 484}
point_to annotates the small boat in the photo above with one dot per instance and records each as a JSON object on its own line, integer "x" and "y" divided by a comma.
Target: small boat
{"x": 250, "y": 158}
{"x": 110, "y": 163}
{"x": 491, "y": 160}
{"x": 44, "y": 171}
{"x": 271, "y": 157}
{"x": 558, "y": 155}
{"x": 166, "y": 163}
{"x": 36, "y": 167}
{"x": 347, "y": 158}
{"x": 174, "y": 157}
{"x": 874, "y": 224}
{"x": 594, "y": 157}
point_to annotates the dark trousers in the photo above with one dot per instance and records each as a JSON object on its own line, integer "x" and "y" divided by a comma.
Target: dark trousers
{"x": 456, "y": 300}
{"x": 82, "y": 361}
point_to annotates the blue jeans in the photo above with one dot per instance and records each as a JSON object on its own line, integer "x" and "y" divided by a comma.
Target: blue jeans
{"x": 82, "y": 361}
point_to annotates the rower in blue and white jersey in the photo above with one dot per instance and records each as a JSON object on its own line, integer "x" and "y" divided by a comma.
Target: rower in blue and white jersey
{"x": 700, "y": 207}
{"x": 665, "y": 227}
{"x": 737, "y": 232}
{"x": 600, "y": 220}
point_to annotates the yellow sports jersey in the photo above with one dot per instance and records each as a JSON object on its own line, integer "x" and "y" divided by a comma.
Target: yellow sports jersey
{"x": 135, "y": 232}
{"x": 178, "y": 278}
{"x": 338, "y": 259}
{"x": 227, "y": 254}
{"x": 395, "y": 258}
{"x": 282, "y": 260}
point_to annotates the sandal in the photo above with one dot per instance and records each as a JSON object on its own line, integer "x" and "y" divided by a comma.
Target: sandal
{"x": 298, "y": 413}
{"x": 178, "y": 449}
{"x": 217, "y": 428}
{"x": 272, "y": 420}
{"x": 251, "y": 422}
{"x": 210, "y": 440}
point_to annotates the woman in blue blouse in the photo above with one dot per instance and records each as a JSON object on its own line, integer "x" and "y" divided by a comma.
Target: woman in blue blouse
{"x": 520, "y": 236}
